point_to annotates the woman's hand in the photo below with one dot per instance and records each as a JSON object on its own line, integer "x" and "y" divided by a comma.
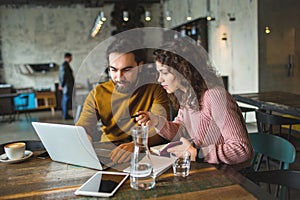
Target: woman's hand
{"x": 147, "y": 119}
{"x": 185, "y": 146}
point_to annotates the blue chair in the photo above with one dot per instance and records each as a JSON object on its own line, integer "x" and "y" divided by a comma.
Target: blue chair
{"x": 23, "y": 106}
{"x": 273, "y": 147}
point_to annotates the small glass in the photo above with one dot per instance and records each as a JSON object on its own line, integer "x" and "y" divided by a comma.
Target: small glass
{"x": 181, "y": 166}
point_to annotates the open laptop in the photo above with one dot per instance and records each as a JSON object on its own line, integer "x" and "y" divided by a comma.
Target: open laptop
{"x": 70, "y": 144}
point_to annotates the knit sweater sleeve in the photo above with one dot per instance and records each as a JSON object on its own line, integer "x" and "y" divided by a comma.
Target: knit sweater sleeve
{"x": 89, "y": 116}
{"x": 172, "y": 130}
{"x": 232, "y": 144}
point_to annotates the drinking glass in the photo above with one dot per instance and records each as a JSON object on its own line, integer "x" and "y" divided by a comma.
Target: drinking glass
{"x": 181, "y": 166}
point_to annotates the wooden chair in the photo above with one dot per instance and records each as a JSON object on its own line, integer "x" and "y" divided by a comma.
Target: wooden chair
{"x": 273, "y": 147}
{"x": 287, "y": 179}
{"x": 266, "y": 123}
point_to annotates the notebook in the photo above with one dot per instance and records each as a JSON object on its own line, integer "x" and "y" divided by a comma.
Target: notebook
{"x": 160, "y": 164}
{"x": 161, "y": 150}
{"x": 70, "y": 144}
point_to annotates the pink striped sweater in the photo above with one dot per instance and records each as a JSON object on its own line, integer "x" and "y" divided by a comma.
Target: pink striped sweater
{"x": 218, "y": 129}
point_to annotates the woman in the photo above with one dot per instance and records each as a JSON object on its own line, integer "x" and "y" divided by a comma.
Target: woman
{"x": 207, "y": 112}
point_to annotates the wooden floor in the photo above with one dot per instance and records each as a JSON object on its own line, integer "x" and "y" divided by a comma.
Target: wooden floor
{"x": 21, "y": 129}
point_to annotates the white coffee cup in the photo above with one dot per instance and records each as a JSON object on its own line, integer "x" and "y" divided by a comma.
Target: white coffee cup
{"x": 15, "y": 150}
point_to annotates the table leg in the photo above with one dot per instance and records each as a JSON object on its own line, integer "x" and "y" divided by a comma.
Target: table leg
{"x": 52, "y": 111}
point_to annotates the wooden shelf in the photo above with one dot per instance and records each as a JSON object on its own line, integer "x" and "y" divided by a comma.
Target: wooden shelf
{"x": 46, "y": 100}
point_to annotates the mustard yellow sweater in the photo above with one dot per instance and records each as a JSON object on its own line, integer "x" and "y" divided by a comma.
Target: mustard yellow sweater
{"x": 114, "y": 109}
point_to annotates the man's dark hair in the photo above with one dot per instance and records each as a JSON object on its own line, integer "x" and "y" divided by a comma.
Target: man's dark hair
{"x": 126, "y": 46}
{"x": 68, "y": 55}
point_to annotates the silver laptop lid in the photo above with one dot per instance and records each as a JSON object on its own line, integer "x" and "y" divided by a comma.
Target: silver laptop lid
{"x": 67, "y": 144}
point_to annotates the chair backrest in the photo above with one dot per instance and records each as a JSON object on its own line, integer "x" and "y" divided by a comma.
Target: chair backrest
{"x": 25, "y": 98}
{"x": 265, "y": 121}
{"x": 288, "y": 178}
{"x": 245, "y": 110}
{"x": 23, "y": 102}
{"x": 274, "y": 147}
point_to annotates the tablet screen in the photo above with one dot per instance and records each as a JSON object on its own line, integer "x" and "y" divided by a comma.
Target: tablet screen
{"x": 103, "y": 184}
{"x": 107, "y": 186}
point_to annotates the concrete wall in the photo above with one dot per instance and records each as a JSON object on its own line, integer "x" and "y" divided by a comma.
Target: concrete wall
{"x": 236, "y": 57}
{"x": 42, "y": 34}
{"x": 36, "y": 34}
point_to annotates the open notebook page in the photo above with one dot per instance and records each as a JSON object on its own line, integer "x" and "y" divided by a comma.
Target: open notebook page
{"x": 160, "y": 164}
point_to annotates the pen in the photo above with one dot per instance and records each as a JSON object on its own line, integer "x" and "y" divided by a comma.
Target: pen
{"x": 128, "y": 118}
{"x": 191, "y": 140}
{"x": 105, "y": 150}
{"x": 179, "y": 142}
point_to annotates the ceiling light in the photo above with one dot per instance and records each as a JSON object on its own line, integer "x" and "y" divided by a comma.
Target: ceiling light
{"x": 147, "y": 16}
{"x": 188, "y": 16}
{"x": 102, "y": 16}
{"x": 125, "y": 16}
{"x": 267, "y": 30}
{"x": 98, "y": 24}
{"x": 210, "y": 18}
{"x": 168, "y": 16}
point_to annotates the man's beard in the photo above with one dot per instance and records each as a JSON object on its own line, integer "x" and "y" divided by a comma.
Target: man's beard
{"x": 127, "y": 88}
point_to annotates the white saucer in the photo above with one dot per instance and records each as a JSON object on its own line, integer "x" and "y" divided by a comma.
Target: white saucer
{"x": 5, "y": 159}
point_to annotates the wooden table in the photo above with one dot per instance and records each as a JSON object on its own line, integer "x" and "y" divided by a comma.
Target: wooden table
{"x": 42, "y": 178}
{"x": 277, "y": 101}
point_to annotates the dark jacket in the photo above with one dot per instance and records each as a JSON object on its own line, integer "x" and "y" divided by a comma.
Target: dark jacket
{"x": 66, "y": 78}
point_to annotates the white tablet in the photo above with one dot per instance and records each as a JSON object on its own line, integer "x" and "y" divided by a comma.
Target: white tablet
{"x": 102, "y": 184}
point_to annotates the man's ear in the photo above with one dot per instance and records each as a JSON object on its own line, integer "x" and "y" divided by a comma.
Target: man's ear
{"x": 141, "y": 66}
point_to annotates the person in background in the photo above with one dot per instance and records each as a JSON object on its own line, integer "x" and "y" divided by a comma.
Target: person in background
{"x": 114, "y": 101}
{"x": 207, "y": 114}
{"x": 66, "y": 84}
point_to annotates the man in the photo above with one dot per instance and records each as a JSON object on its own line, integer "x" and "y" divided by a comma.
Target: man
{"x": 66, "y": 83}
{"x": 115, "y": 101}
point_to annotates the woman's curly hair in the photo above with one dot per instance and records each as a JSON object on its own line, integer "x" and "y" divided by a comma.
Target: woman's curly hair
{"x": 190, "y": 61}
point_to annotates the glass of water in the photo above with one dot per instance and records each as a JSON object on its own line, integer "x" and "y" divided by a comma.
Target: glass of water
{"x": 181, "y": 166}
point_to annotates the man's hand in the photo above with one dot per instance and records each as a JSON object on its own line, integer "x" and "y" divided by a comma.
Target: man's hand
{"x": 122, "y": 153}
{"x": 90, "y": 138}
